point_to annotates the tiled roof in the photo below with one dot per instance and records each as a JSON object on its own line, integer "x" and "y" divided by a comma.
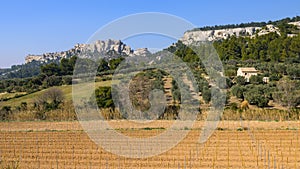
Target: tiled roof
{"x": 248, "y": 69}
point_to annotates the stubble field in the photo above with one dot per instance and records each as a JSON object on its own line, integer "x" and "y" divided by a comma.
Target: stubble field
{"x": 234, "y": 144}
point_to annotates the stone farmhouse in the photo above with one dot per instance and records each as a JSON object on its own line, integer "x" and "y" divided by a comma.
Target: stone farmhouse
{"x": 247, "y": 72}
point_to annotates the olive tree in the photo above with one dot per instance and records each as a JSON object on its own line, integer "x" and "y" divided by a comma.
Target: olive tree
{"x": 287, "y": 93}
{"x": 50, "y": 99}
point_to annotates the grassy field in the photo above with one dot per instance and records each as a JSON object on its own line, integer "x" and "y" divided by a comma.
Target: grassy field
{"x": 235, "y": 144}
{"x": 10, "y": 95}
{"x": 30, "y": 98}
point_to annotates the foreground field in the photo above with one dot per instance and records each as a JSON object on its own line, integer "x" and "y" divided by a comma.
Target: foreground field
{"x": 234, "y": 145}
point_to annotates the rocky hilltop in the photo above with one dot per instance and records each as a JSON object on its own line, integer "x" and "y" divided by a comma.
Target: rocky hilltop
{"x": 110, "y": 48}
{"x": 297, "y": 23}
{"x": 116, "y": 48}
{"x": 213, "y": 35}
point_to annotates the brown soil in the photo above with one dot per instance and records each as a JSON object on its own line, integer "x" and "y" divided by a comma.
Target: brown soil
{"x": 234, "y": 145}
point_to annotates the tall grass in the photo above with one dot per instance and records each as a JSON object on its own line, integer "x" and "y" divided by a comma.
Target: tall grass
{"x": 261, "y": 114}
{"x": 65, "y": 113}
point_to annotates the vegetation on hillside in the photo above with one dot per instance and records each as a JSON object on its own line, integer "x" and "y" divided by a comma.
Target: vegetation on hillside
{"x": 276, "y": 56}
{"x": 266, "y": 48}
{"x": 251, "y": 24}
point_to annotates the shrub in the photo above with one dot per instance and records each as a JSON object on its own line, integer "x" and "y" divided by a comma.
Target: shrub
{"x": 206, "y": 94}
{"x": 256, "y": 80}
{"x": 256, "y": 97}
{"x": 238, "y": 91}
{"x": 104, "y": 97}
{"x": 240, "y": 80}
{"x": 50, "y": 99}
{"x": 287, "y": 93}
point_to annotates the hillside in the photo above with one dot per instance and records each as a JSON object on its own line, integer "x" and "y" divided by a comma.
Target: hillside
{"x": 30, "y": 98}
{"x": 115, "y": 48}
{"x": 108, "y": 49}
{"x": 272, "y": 49}
{"x": 220, "y": 34}
{"x": 251, "y": 24}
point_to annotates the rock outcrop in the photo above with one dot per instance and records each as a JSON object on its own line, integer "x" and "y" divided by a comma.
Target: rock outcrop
{"x": 268, "y": 29}
{"x": 296, "y": 24}
{"x": 116, "y": 48}
{"x": 109, "y": 48}
{"x": 212, "y": 35}
{"x": 140, "y": 52}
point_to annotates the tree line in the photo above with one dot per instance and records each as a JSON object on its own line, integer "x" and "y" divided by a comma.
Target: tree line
{"x": 250, "y": 24}
{"x": 266, "y": 48}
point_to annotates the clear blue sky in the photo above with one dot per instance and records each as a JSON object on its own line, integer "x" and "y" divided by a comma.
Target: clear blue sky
{"x": 39, "y": 26}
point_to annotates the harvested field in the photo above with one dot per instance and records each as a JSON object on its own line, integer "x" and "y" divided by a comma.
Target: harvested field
{"x": 233, "y": 145}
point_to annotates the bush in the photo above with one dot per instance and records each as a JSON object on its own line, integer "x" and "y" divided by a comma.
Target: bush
{"x": 104, "y": 97}
{"x": 230, "y": 72}
{"x": 5, "y": 113}
{"x": 240, "y": 80}
{"x": 256, "y": 80}
{"x": 171, "y": 112}
{"x": 67, "y": 80}
{"x": 206, "y": 94}
{"x": 275, "y": 77}
{"x": 233, "y": 106}
{"x": 52, "y": 81}
{"x": 287, "y": 93}
{"x": 257, "y": 95}
{"x": 50, "y": 99}
{"x": 23, "y": 106}
{"x": 238, "y": 91}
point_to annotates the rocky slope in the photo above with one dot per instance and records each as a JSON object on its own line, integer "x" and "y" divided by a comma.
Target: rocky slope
{"x": 110, "y": 49}
{"x": 296, "y": 24}
{"x": 212, "y": 35}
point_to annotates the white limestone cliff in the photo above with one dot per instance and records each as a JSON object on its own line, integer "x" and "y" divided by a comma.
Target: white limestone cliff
{"x": 192, "y": 36}
{"x": 109, "y": 48}
{"x": 212, "y": 35}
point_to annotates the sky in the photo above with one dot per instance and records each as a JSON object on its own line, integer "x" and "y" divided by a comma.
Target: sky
{"x": 36, "y": 27}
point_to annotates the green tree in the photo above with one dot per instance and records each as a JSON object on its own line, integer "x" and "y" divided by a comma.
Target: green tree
{"x": 67, "y": 65}
{"x": 293, "y": 71}
{"x": 104, "y": 97}
{"x": 287, "y": 93}
{"x": 23, "y": 106}
{"x": 256, "y": 80}
{"x": 295, "y": 46}
{"x": 52, "y": 81}
{"x": 103, "y": 65}
{"x": 114, "y": 63}
{"x": 238, "y": 91}
{"x": 5, "y": 113}
{"x": 175, "y": 91}
{"x": 240, "y": 80}
{"x": 257, "y": 95}
{"x": 50, "y": 69}
{"x": 206, "y": 94}
{"x": 51, "y": 99}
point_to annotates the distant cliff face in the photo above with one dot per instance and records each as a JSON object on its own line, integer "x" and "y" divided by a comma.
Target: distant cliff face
{"x": 110, "y": 49}
{"x": 116, "y": 48}
{"x": 296, "y": 24}
{"x": 212, "y": 35}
